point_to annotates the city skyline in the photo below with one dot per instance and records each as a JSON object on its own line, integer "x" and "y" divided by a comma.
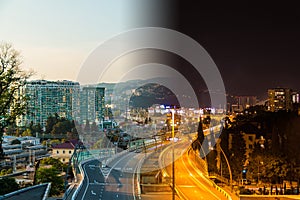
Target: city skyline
{"x": 251, "y": 45}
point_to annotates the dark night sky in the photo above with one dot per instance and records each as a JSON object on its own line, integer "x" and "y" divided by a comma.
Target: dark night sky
{"x": 255, "y": 45}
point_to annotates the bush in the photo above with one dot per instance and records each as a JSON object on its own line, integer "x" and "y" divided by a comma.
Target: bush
{"x": 16, "y": 141}
{"x": 3, "y": 172}
{"x": 245, "y": 191}
{"x": 9, "y": 171}
{"x": 8, "y": 185}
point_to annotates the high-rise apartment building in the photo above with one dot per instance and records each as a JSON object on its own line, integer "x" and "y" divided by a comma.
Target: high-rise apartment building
{"x": 91, "y": 104}
{"x": 280, "y": 99}
{"x": 244, "y": 102}
{"x": 46, "y": 98}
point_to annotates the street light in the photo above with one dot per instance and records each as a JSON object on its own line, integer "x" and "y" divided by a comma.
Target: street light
{"x": 173, "y": 162}
{"x": 219, "y": 148}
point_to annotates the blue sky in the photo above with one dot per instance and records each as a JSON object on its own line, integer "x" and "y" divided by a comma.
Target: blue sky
{"x": 54, "y": 37}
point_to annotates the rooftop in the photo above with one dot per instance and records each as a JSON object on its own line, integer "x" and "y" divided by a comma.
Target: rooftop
{"x": 71, "y": 144}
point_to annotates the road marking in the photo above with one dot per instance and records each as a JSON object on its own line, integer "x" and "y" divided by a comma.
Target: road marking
{"x": 105, "y": 171}
{"x": 197, "y": 181}
{"x": 186, "y": 186}
{"x": 85, "y": 174}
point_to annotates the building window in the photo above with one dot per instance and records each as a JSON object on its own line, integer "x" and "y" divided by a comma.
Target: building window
{"x": 63, "y": 160}
{"x": 250, "y": 146}
{"x": 63, "y": 151}
{"x": 250, "y": 138}
{"x": 57, "y": 152}
{"x": 70, "y": 152}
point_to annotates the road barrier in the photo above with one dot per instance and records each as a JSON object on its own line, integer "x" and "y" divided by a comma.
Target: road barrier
{"x": 222, "y": 191}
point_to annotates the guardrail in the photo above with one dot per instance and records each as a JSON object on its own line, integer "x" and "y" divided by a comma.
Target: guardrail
{"x": 220, "y": 178}
{"x": 69, "y": 191}
{"x": 115, "y": 156}
{"x": 82, "y": 174}
{"x": 213, "y": 184}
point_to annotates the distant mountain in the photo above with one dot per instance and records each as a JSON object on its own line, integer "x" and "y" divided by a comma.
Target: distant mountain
{"x": 150, "y": 94}
{"x": 144, "y": 93}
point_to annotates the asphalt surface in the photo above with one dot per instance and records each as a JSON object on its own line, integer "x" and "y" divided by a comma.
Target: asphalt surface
{"x": 114, "y": 181}
{"x": 190, "y": 183}
{"x": 118, "y": 178}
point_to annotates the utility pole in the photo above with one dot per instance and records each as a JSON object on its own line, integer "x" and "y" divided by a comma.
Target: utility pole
{"x": 173, "y": 159}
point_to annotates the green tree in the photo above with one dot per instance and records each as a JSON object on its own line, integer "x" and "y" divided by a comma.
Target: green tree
{"x": 27, "y": 132}
{"x": 62, "y": 127}
{"x": 74, "y": 127}
{"x": 3, "y": 172}
{"x": 58, "y": 129}
{"x": 51, "y": 121}
{"x": 12, "y": 79}
{"x": 11, "y": 129}
{"x": 15, "y": 141}
{"x": 46, "y": 175}
{"x": 56, "y": 163}
{"x": 55, "y": 141}
{"x": 237, "y": 153}
{"x": 37, "y": 128}
{"x": 9, "y": 171}
{"x": 8, "y": 185}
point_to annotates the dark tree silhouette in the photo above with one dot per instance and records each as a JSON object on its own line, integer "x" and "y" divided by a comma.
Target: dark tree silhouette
{"x": 12, "y": 79}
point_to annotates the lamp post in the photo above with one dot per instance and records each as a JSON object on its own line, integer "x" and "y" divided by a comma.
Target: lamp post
{"x": 229, "y": 169}
{"x": 173, "y": 159}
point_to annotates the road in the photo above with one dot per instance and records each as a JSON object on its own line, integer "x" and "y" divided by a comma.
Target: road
{"x": 189, "y": 182}
{"x": 116, "y": 181}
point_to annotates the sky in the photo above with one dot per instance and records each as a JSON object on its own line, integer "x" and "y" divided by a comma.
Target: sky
{"x": 55, "y": 37}
{"x": 255, "y": 45}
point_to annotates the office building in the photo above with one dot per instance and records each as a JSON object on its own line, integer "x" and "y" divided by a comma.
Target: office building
{"x": 246, "y": 101}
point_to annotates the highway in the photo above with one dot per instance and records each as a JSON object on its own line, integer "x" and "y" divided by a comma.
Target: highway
{"x": 116, "y": 181}
{"x": 190, "y": 183}
{"x": 117, "y": 178}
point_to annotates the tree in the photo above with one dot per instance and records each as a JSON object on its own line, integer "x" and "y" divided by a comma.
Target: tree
{"x": 15, "y": 141}
{"x": 55, "y": 141}
{"x": 46, "y": 175}
{"x": 62, "y": 127}
{"x": 56, "y": 163}
{"x": 201, "y": 143}
{"x": 8, "y": 185}
{"x": 11, "y": 129}
{"x": 37, "y": 128}
{"x": 12, "y": 79}
{"x": 51, "y": 121}
{"x": 27, "y": 132}
{"x": 237, "y": 153}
